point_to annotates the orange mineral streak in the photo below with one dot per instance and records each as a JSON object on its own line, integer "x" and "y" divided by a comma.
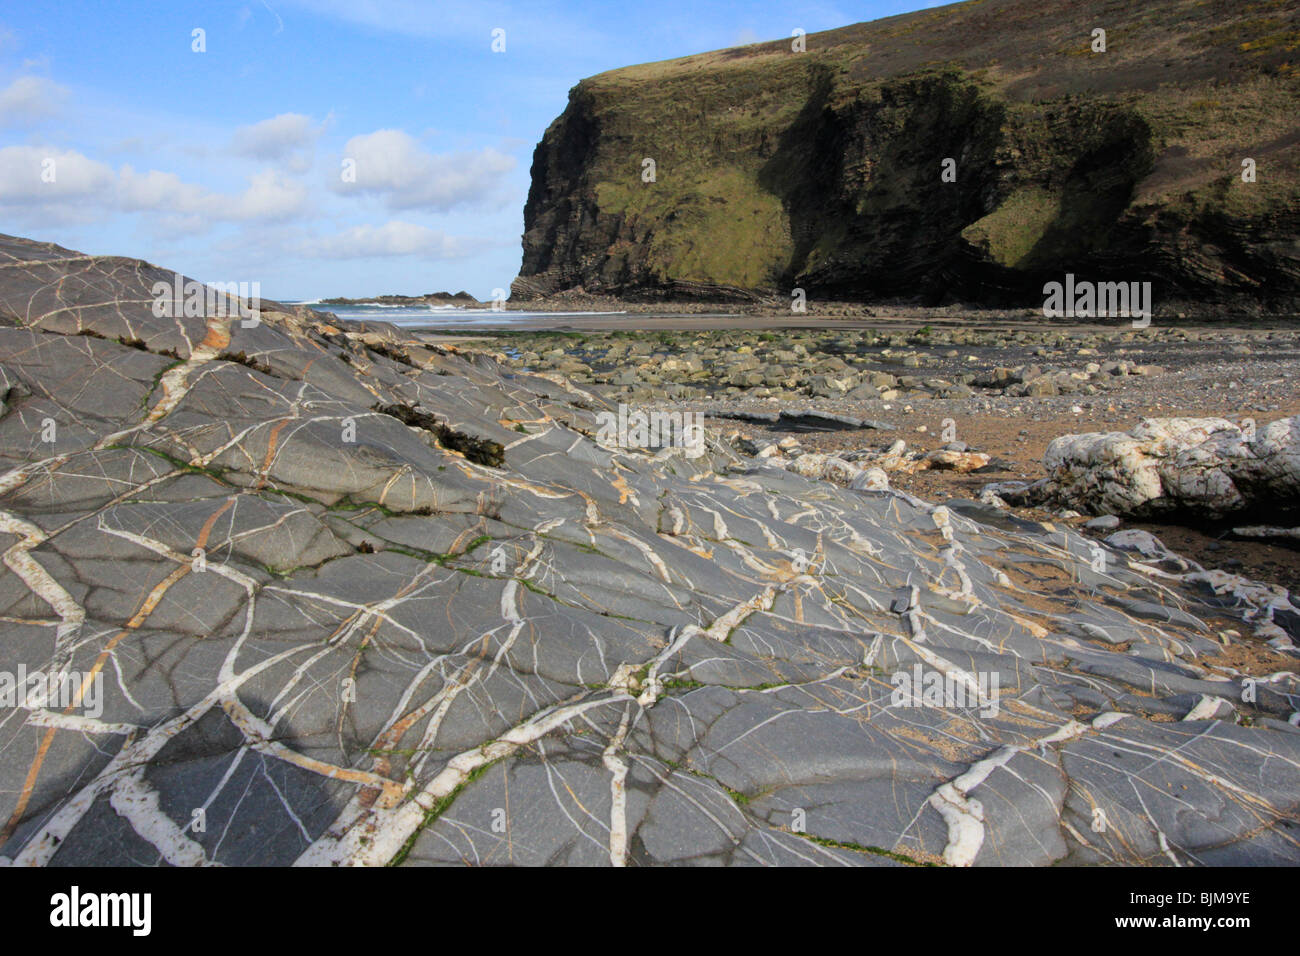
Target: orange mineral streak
{"x": 392, "y": 791}
{"x": 218, "y": 336}
{"x": 271, "y": 443}
{"x": 374, "y": 783}
{"x": 621, "y": 486}
{"x": 146, "y": 608}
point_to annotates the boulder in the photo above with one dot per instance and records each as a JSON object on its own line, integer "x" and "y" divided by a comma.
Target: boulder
{"x": 1208, "y": 467}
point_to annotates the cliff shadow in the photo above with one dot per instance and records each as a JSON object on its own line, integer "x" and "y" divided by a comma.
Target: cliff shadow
{"x": 871, "y": 213}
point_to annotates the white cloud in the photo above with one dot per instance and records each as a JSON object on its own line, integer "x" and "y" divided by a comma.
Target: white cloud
{"x": 276, "y": 137}
{"x": 41, "y": 187}
{"x": 393, "y": 238}
{"x": 391, "y": 163}
{"x": 67, "y": 185}
{"x": 29, "y": 99}
{"x": 32, "y": 175}
{"x": 270, "y": 195}
{"x": 161, "y": 191}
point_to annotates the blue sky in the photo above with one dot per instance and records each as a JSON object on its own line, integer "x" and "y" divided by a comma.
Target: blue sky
{"x": 116, "y": 137}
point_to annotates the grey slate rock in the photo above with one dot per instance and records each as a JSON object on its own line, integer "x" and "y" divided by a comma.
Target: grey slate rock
{"x": 392, "y": 648}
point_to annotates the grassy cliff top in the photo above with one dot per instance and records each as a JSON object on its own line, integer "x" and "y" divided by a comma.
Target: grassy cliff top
{"x": 1030, "y": 49}
{"x": 1211, "y": 77}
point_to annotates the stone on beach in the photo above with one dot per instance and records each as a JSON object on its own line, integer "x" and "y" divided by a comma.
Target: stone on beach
{"x": 1209, "y": 467}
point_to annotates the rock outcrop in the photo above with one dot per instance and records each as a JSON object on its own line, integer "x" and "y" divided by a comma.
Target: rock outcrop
{"x": 1209, "y": 468}
{"x": 306, "y": 592}
{"x": 748, "y": 172}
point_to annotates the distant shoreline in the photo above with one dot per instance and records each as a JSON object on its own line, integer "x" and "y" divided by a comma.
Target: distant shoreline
{"x": 587, "y": 313}
{"x": 519, "y": 320}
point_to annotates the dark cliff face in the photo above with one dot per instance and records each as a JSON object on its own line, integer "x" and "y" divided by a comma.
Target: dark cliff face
{"x": 823, "y": 170}
{"x": 556, "y": 215}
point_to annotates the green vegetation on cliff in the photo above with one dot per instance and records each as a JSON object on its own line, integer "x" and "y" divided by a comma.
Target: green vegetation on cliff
{"x": 822, "y": 169}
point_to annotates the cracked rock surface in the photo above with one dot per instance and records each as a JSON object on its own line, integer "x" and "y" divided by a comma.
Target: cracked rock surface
{"x": 353, "y": 600}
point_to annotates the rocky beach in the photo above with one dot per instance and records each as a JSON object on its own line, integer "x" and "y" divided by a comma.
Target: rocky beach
{"x": 938, "y": 383}
{"x": 363, "y": 598}
{"x": 875, "y": 447}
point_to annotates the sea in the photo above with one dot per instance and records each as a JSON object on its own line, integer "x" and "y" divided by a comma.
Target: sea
{"x": 445, "y": 316}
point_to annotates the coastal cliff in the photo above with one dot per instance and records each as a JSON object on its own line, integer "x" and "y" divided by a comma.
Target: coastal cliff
{"x": 824, "y": 169}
